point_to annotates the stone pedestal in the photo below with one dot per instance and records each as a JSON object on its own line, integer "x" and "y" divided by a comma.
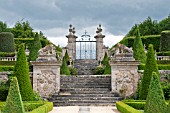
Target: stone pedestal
{"x": 124, "y": 76}
{"x": 46, "y": 72}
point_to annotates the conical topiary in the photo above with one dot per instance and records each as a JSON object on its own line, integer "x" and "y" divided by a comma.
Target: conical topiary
{"x": 155, "y": 102}
{"x": 105, "y": 60}
{"x": 14, "y": 102}
{"x": 21, "y": 71}
{"x": 67, "y": 58}
{"x": 150, "y": 66}
{"x": 138, "y": 49}
{"x": 106, "y": 65}
{"x": 64, "y": 68}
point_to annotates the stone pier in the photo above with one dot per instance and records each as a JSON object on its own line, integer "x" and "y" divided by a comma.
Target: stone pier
{"x": 46, "y": 74}
{"x": 124, "y": 75}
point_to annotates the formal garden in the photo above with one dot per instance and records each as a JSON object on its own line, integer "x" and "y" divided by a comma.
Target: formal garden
{"x": 150, "y": 45}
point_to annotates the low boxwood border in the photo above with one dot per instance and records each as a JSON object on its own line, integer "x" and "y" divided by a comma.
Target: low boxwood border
{"x": 125, "y": 108}
{"x": 35, "y": 106}
{"x": 48, "y": 106}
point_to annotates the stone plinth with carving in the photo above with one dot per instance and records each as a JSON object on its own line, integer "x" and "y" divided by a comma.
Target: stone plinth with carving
{"x": 46, "y": 74}
{"x": 124, "y": 75}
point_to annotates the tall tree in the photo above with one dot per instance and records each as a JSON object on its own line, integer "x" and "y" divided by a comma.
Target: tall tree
{"x": 164, "y": 24}
{"x": 147, "y": 27}
{"x": 21, "y": 71}
{"x": 3, "y": 27}
{"x": 23, "y": 30}
{"x": 150, "y": 66}
{"x": 138, "y": 49}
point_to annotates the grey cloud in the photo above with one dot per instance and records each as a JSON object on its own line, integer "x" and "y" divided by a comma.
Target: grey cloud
{"x": 118, "y": 16}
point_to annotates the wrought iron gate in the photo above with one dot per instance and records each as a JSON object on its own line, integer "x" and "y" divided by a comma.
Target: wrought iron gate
{"x": 85, "y": 48}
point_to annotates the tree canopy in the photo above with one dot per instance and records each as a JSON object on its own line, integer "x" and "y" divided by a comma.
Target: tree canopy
{"x": 150, "y": 27}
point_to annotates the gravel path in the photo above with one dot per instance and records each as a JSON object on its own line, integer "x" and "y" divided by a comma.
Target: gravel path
{"x": 85, "y": 109}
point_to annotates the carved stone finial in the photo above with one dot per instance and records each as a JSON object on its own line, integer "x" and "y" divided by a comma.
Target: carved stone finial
{"x": 74, "y": 30}
{"x": 71, "y": 28}
{"x": 99, "y": 29}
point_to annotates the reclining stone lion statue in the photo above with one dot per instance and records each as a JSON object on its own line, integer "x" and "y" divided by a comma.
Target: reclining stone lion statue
{"x": 49, "y": 49}
{"x": 121, "y": 48}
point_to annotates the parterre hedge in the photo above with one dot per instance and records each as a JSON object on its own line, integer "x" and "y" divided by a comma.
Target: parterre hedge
{"x": 160, "y": 67}
{"x": 29, "y": 41}
{"x": 136, "y": 105}
{"x": 167, "y": 53}
{"x": 6, "y": 68}
{"x": 35, "y": 106}
{"x": 125, "y": 108}
{"x": 7, "y": 54}
{"x": 151, "y": 39}
{"x": 7, "y": 63}
{"x": 163, "y": 62}
{"x": 7, "y": 42}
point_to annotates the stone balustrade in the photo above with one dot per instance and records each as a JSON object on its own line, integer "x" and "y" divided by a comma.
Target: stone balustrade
{"x": 8, "y": 58}
{"x": 163, "y": 58}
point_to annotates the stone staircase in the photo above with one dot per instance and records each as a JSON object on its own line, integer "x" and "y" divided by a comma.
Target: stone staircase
{"x": 85, "y": 91}
{"x": 85, "y": 66}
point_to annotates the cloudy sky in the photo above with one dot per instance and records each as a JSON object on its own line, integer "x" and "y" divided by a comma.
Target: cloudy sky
{"x": 53, "y": 17}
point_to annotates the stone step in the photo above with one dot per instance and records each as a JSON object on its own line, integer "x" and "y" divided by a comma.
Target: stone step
{"x": 85, "y": 104}
{"x": 85, "y": 92}
{"x": 85, "y": 83}
{"x": 86, "y": 95}
{"x": 85, "y": 67}
{"x": 85, "y": 89}
{"x": 84, "y": 101}
{"x": 85, "y": 86}
{"x": 72, "y": 98}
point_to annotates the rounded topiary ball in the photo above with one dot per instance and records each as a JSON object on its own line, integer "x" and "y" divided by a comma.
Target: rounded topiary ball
{"x": 6, "y": 42}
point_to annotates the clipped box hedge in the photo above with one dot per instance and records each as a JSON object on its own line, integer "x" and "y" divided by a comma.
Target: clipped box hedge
{"x": 136, "y": 105}
{"x": 160, "y": 67}
{"x": 28, "y": 42}
{"x": 7, "y": 63}
{"x": 167, "y": 53}
{"x": 7, "y": 54}
{"x": 125, "y": 108}
{"x": 150, "y": 39}
{"x": 35, "y": 106}
{"x": 165, "y": 41}
{"x": 6, "y": 68}
{"x": 7, "y": 42}
{"x": 163, "y": 62}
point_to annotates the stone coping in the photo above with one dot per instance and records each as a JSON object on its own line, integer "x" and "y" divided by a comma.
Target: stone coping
{"x": 49, "y": 63}
{"x": 120, "y": 63}
{"x": 86, "y": 76}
